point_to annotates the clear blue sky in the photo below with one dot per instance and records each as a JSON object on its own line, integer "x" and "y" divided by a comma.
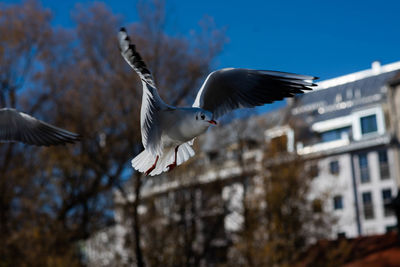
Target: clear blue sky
{"x": 321, "y": 38}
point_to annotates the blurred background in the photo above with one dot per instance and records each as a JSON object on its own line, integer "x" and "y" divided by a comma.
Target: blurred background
{"x": 304, "y": 182}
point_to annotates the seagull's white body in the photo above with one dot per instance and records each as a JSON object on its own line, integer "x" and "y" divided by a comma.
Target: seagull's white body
{"x": 179, "y": 127}
{"x": 171, "y": 127}
{"x": 168, "y": 132}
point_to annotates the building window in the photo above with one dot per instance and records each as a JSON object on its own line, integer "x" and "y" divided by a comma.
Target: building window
{"x": 391, "y": 228}
{"x": 341, "y": 235}
{"x": 383, "y": 164}
{"x": 335, "y": 134}
{"x": 338, "y": 202}
{"x": 279, "y": 143}
{"x": 338, "y": 98}
{"x": 368, "y": 124}
{"x": 368, "y": 205}
{"x": 387, "y": 199}
{"x": 317, "y": 205}
{"x": 212, "y": 155}
{"x": 312, "y": 169}
{"x": 363, "y": 163}
{"x": 334, "y": 167}
{"x": 349, "y": 94}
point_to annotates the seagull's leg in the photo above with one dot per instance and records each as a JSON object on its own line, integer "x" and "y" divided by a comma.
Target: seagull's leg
{"x": 152, "y": 167}
{"x": 173, "y": 165}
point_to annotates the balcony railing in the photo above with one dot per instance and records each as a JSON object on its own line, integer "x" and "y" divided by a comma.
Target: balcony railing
{"x": 322, "y": 146}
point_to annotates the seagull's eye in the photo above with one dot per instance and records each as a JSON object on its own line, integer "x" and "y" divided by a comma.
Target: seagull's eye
{"x": 203, "y": 116}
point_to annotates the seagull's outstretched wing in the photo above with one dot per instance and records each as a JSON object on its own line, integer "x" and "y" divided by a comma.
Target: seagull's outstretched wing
{"x": 152, "y": 104}
{"x": 17, "y": 126}
{"x": 228, "y": 89}
{"x": 133, "y": 58}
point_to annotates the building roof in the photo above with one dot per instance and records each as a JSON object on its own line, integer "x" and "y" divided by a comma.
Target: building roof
{"x": 340, "y": 96}
{"x": 375, "y": 69}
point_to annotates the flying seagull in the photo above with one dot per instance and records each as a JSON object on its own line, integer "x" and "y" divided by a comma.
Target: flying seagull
{"x": 17, "y": 126}
{"x": 168, "y": 132}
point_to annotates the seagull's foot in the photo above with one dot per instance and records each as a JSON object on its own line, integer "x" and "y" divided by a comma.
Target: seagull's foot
{"x": 171, "y": 166}
{"x": 152, "y": 167}
{"x": 149, "y": 170}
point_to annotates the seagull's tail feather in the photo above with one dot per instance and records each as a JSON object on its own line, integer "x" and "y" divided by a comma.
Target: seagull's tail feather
{"x": 185, "y": 152}
{"x": 145, "y": 160}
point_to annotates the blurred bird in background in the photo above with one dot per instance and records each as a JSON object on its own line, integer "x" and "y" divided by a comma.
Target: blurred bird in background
{"x": 17, "y": 126}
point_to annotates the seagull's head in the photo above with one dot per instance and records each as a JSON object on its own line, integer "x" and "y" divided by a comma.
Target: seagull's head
{"x": 204, "y": 116}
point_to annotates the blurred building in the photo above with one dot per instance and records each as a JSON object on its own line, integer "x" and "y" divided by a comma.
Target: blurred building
{"x": 350, "y": 131}
{"x": 347, "y": 129}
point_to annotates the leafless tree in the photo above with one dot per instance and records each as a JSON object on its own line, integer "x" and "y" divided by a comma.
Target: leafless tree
{"x": 51, "y": 198}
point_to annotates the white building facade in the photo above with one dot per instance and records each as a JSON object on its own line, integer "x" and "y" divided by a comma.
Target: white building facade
{"x": 355, "y": 147}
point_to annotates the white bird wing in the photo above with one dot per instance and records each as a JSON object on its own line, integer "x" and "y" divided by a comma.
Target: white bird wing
{"x": 152, "y": 104}
{"x": 21, "y": 127}
{"x": 228, "y": 89}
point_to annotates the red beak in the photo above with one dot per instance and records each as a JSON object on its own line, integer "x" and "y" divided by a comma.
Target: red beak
{"x": 213, "y": 122}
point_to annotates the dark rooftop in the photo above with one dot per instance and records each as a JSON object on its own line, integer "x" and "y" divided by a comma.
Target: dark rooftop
{"x": 342, "y": 99}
